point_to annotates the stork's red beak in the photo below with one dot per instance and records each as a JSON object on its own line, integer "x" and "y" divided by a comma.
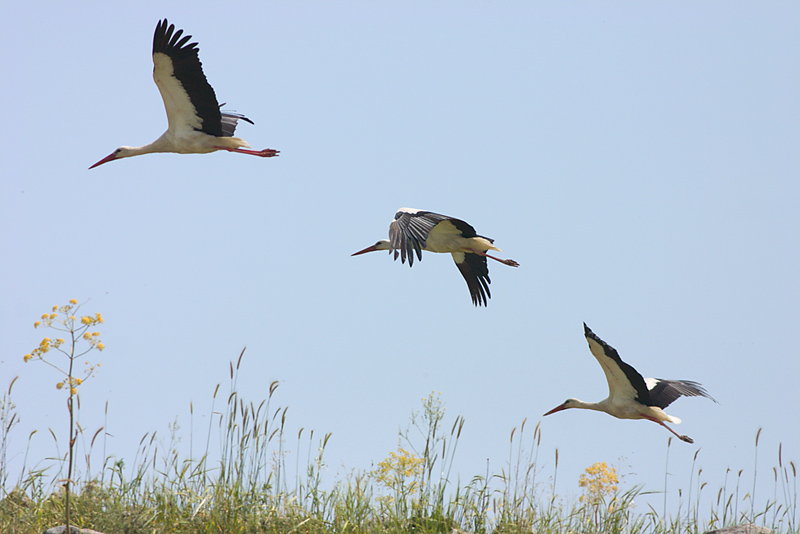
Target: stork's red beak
{"x": 372, "y": 248}
{"x": 556, "y": 409}
{"x": 106, "y": 159}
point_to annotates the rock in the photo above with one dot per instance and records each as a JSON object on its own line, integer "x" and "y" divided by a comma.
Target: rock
{"x": 62, "y": 529}
{"x": 741, "y": 529}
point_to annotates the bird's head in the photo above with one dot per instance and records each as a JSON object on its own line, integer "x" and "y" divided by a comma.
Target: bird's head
{"x": 380, "y": 245}
{"x": 121, "y": 152}
{"x": 569, "y": 403}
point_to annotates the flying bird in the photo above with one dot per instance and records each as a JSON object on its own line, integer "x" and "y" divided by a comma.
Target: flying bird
{"x": 413, "y": 231}
{"x": 196, "y": 124}
{"x": 629, "y": 395}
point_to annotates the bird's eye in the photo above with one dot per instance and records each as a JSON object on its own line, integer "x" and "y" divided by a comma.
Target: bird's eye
{"x": 117, "y": 151}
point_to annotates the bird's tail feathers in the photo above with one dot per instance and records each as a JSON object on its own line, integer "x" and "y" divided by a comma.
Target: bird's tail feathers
{"x": 660, "y": 414}
{"x": 488, "y": 242}
{"x": 232, "y": 142}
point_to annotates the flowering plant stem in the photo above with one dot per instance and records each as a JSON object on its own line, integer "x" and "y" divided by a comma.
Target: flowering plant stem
{"x": 63, "y": 319}
{"x": 72, "y": 436}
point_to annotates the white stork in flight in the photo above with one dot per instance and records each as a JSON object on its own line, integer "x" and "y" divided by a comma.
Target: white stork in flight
{"x": 629, "y": 395}
{"x": 416, "y": 230}
{"x": 196, "y": 124}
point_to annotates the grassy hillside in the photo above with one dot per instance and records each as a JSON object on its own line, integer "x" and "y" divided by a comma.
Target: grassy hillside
{"x": 247, "y": 489}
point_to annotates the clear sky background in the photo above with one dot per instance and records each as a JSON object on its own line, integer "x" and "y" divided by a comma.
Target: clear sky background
{"x": 640, "y": 160}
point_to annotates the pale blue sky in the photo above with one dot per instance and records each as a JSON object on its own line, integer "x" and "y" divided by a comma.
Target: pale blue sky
{"x": 639, "y": 159}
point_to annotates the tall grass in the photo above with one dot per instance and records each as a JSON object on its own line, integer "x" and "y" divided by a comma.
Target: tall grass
{"x": 246, "y": 486}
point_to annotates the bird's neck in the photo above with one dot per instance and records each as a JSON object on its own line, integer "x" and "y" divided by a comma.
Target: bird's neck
{"x": 159, "y": 145}
{"x": 596, "y": 406}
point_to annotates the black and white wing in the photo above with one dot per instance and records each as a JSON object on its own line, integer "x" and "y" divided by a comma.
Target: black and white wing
{"x": 623, "y": 380}
{"x": 662, "y": 392}
{"x": 188, "y": 98}
{"x": 409, "y": 230}
{"x": 475, "y": 271}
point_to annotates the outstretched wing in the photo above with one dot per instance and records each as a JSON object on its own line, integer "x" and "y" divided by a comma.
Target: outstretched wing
{"x": 662, "y": 392}
{"x": 409, "y": 230}
{"x": 623, "y": 380}
{"x": 189, "y": 100}
{"x": 475, "y": 271}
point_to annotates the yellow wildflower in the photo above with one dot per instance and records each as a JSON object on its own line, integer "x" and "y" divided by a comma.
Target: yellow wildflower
{"x": 598, "y": 480}
{"x": 99, "y": 317}
{"x": 87, "y": 336}
{"x": 95, "y": 334}
{"x": 86, "y": 319}
{"x": 73, "y": 301}
{"x": 73, "y": 391}
{"x": 100, "y": 346}
{"x": 71, "y": 317}
{"x": 36, "y": 324}
{"x": 60, "y": 385}
{"x": 27, "y": 357}
{"x": 55, "y": 308}
{"x": 396, "y": 470}
{"x": 46, "y": 316}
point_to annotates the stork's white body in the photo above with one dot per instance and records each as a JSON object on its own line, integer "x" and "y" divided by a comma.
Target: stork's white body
{"x": 183, "y": 142}
{"x": 446, "y": 238}
{"x": 623, "y": 408}
{"x": 630, "y": 396}
{"x": 196, "y": 125}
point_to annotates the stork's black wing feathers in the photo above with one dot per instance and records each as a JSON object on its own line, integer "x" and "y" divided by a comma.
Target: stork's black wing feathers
{"x": 476, "y": 272}
{"x": 633, "y": 376}
{"x": 188, "y": 70}
{"x": 409, "y": 230}
{"x": 664, "y": 392}
{"x": 179, "y": 44}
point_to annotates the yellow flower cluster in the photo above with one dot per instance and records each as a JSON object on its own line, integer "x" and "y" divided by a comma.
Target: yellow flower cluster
{"x": 47, "y": 320}
{"x": 69, "y": 319}
{"x": 73, "y": 384}
{"x": 598, "y": 481}
{"x": 78, "y": 331}
{"x": 394, "y": 470}
{"x": 88, "y": 320}
{"x": 44, "y": 347}
{"x": 94, "y": 340}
